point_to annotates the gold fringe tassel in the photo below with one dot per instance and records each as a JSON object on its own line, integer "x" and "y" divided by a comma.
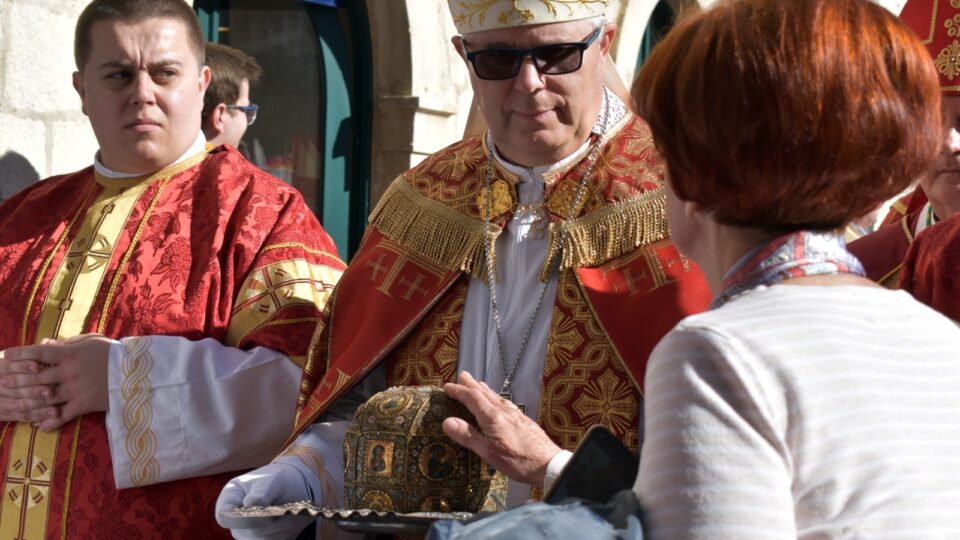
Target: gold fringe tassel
{"x": 441, "y": 234}
{"x": 455, "y": 242}
{"x": 610, "y": 232}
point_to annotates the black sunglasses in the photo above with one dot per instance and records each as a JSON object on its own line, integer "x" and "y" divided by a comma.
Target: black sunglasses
{"x": 553, "y": 59}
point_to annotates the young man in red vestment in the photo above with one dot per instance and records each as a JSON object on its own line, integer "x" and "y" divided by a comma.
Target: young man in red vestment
{"x": 516, "y": 258}
{"x": 938, "y": 195}
{"x": 157, "y": 305}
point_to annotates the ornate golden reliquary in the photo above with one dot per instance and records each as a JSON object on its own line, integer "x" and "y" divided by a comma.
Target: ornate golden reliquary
{"x": 396, "y": 457}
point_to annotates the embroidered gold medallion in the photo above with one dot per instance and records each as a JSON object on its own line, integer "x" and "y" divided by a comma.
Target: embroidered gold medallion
{"x": 561, "y": 201}
{"x": 502, "y": 199}
{"x": 948, "y": 61}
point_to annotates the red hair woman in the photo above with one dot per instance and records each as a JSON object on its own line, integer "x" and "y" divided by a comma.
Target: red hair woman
{"x": 807, "y": 402}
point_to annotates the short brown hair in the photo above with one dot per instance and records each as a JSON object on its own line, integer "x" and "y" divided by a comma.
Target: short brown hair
{"x": 130, "y": 12}
{"x": 228, "y": 68}
{"x": 787, "y": 115}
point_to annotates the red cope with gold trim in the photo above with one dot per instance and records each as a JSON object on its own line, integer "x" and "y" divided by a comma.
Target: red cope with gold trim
{"x": 882, "y": 251}
{"x": 937, "y": 24}
{"x": 930, "y": 268}
{"x": 193, "y": 243}
{"x": 402, "y": 298}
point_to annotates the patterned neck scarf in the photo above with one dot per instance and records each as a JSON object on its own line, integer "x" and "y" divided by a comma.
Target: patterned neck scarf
{"x": 802, "y": 253}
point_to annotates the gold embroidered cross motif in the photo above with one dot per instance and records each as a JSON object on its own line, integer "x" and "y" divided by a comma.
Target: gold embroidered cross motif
{"x": 394, "y": 265}
{"x": 91, "y": 253}
{"x": 644, "y": 271}
{"x": 631, "y": 281}
{"x": 33, "y": 484}
{"x": 563, "y": 341}
{"x": 377, "y": 267}
{"x": 275, "y": 288}
{"x": 457, "y": 164}
{"x": 413, "y": 287}
{"x": 948, "y": 61}
{"x": 608, "y": 401}
{"x": 268, "y": 290}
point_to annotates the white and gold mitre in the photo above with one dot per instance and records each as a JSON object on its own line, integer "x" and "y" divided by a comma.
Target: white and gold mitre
{"x": 479, "y": 15}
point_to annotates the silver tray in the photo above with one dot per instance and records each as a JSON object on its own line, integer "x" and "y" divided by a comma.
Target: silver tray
{"x": 360, "y": 520}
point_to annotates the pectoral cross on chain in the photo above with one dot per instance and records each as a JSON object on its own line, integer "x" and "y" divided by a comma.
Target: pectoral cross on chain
{"x": 509, "y": 397}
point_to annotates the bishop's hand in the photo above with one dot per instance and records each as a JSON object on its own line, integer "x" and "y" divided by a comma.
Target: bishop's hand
{"x": 505, "y": 437}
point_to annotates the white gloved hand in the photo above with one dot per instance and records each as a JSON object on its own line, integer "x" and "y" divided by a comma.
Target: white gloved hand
{"x": 276, "y": 483}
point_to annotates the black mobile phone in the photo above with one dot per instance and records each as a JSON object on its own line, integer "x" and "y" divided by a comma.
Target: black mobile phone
{"x": 601, "y": 466}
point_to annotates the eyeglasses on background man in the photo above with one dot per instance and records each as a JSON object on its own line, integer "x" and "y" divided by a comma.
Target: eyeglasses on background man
{"x": 249, "y": 110}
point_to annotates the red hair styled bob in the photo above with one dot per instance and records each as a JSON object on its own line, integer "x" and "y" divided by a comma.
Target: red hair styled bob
{"x": 791, "y": 114}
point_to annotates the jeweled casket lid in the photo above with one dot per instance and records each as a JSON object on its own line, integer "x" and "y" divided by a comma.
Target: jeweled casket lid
{"x": 396, "y": 456}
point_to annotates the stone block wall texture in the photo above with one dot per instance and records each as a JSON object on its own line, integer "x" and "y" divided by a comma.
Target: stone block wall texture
{"x": 44, "y": 133}
{"x": 42, "y": 129}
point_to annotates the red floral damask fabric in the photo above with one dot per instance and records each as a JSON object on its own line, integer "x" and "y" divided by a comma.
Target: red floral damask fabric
{"x": 931, "y": 270}
{"x": 201, "y": 249}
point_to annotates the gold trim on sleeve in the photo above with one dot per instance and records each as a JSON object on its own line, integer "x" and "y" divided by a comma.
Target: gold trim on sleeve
{"x": 269, "y": 289}
{"x": 140, "y": 442}
{"x": 300, "y": 246}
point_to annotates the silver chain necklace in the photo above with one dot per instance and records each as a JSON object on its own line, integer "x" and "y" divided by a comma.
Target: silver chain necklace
{"x": 554, "y": 264}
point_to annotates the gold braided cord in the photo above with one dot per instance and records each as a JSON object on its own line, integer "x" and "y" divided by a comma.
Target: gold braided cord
{"x": 430, "y": 229}
{"x": 610, "y": 232}
{"x": 140, "y": 442}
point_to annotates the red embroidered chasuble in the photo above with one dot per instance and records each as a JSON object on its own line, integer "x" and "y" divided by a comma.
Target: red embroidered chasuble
{"x": 882, "y": 251}
{"x": 622, "y": 286}
{"x": 208, "y": 248}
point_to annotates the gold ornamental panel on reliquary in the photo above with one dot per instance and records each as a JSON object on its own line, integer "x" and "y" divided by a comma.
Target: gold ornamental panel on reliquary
{"x": 396, "y": 457}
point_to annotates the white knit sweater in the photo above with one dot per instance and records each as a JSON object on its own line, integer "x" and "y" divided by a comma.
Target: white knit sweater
{"x": 805, "y": 412}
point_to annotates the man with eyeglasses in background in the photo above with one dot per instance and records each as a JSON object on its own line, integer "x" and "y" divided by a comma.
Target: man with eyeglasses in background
{"x": 514, "y": 259}
{"x": 227, "y": 110}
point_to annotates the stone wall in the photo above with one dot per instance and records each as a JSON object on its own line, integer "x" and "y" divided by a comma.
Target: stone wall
{"x": 42, "y": 130}
{"x": 421, "y": 90}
